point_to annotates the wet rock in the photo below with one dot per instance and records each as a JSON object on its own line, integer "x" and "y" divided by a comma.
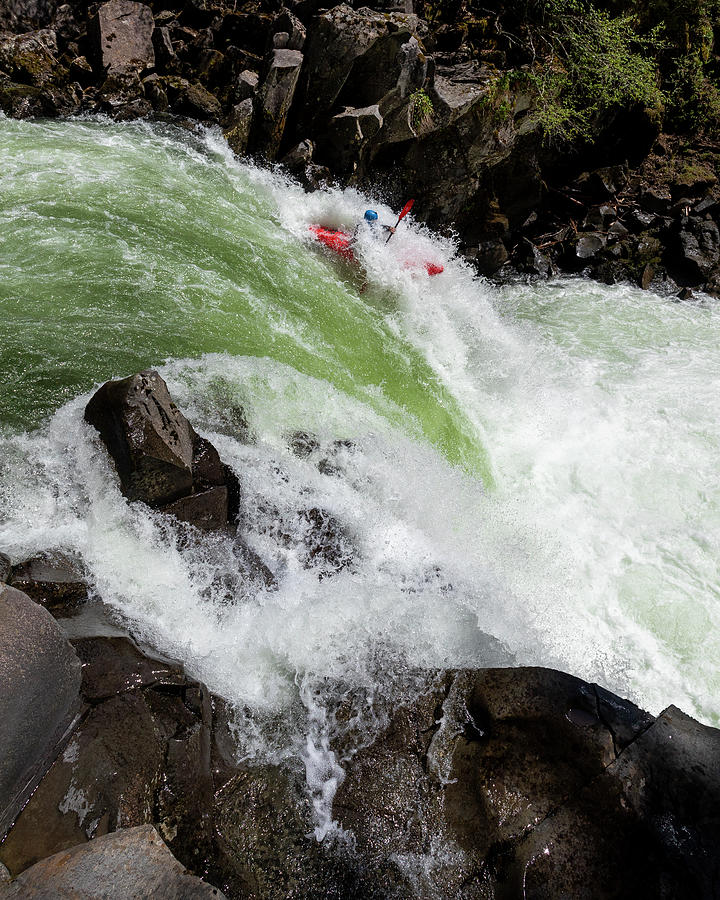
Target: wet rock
{"x": 128, "y": 864}
{"x": 24, "y": 101}
{"x": 148, "y": 438}
{"x": 123, "y": 96}
{"x": 155, "y": 93}
{"x": 121, "y": 32}
{"x": 599, "y": 218}
{"x": 657, "y": 200}
{"x": 237, "y": 126}
{"x": 645, "y": 826}
{"x": 302, "y": 444}
{"x": 589, "y": 245}
{"x": 617, "y": 231}
{"x": 5, "y": 567}
{"x": 328, "y": 545}
{"x": 39, "y": 702}
{"x": 252, "y": 567}
{"x": 206, "y": 510}
{"x": 272, "y": 102}
{"x": 53, "y": 579}
{"x": 699, "y": 247}
{"x": 115, "y": 665}
{"x": 81, "y": 71}
{"x": 532, "y": 261}
{"x": 685, "y": 294}
{"x": 490, "y": 256}
{"x": 267, "y": 845}
{"x": 159, "y": 457}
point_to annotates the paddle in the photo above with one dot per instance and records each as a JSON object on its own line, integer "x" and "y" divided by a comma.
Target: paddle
{"x": 405, "y": 210}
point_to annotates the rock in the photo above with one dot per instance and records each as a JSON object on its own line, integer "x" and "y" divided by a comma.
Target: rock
{"x": 599, "y": 218}
{"x": 193, "y": 100}
{"x": 657, "y": 200}
{"x": 122, "y": 32}
{"x": 531, "y": 260}
{"x": 699, "y": 247}
{"x": 589, "y": 245}
{"x": 52, "y": 579}
{"x": 290, "y": 25}
{"x": 617, "y": 231}
{"x": 122, "y": 95}
{"x": 490, "y": 256}
{"x": 328, "y": 546}
{"x": 206, "y": 510}
{"x": 272, "y": 102}
{"x": 5, "y": 567}
{"x": 247, "y": 85}
{"x": 115, "y": 665}
{"x": 159, "y": 457}
{"x": 128, "y": 865}
{"x": 30, "y": 58}
{"x": 81, "y": 71}
{"x": 346, "y": 137}
{"x": 644, "y": 827}
{"x": 155, "y": 93}
{"x": 685, "y": 294}
{"x": 39, "y": 702}
{"x": 148, "y": 438}
{"x": 165, "y": 56}
{"x": 339, "y": 37}
{"x": 604, "y": 183}
{"x": 237, "y": 126}
{"x": 23, "y": 101}
{"x": 647, "y": 276}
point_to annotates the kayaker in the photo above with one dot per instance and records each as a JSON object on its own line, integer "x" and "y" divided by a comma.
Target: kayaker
{"x": 371, "y": 218}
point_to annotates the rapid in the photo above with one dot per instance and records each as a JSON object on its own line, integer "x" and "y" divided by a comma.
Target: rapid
{"x": 524, "y": 475}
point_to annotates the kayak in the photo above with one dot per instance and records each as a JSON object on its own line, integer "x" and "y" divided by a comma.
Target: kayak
{"x": 341, "y": 243}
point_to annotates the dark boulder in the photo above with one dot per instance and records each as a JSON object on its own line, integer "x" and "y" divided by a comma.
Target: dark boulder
{"x": 699, "y": 250}
{"x": 126, "y": 865}
{"x": 347, "y": 136}
{"x": 30, "y": 58}
{"x": 191, "y": 99}
{"x": 53, "y": 579}
{"x": 39, "y": 701}
{"x": 237, "y": 125}
{"x": 272, "y": 102}
{"x": 529, "y": 259}
{"x": 122, "y": 36}
{"x": 247, "y": 85}
{"x": 5, "y": 567}
{"x": 159, "y": 457}
{"x": 589, "y": 245}
{"x": 148, "y": 438}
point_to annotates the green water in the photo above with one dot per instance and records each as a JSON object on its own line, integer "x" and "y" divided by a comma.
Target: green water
{"x": 536, "y": 464}
{"x": 122, "y": 248}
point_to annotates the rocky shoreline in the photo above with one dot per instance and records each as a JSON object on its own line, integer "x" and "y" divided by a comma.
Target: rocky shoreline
{"x": 513, "y": 782}
{"x": 381, "y": 98}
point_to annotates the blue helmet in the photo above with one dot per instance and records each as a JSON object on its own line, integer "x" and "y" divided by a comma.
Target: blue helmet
{"x": 370, "y": 215}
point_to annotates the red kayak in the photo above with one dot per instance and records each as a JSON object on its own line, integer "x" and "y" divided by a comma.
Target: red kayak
{"x": 340, "y": 242}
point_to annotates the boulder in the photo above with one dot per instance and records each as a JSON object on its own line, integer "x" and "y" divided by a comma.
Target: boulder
{"x": 272, "y": 102}
{"x": 699, "y": 247}
{"x": 30, "y": 58}
{"x": 128, "y": 865}
{"x": 599, "y": 217}
{"x": 237, "y": 126}
{"x": 191, "y": 99}
{"x": 489, "y": 256}
{"x": 122, "y": 36}
{"x": 589, "y": 245}
{"x": 159, "y": 457}
{"x": 5, "y": 567}
{"x": 148, "y": 438}
{"x": 339, "y": 37}
{"x": 247, "y": 85}
{"x": 53, "y": 579}
{"x": 40, "y": 700}
{"x": 115, "y": 665}
{"x": 166, "y": 58}
{"x": 346, "y": 137}
{"x": 289, "y": 24}
{"x": 531, "y": 260}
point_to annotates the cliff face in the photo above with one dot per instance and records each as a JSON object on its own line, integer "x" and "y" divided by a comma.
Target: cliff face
{"x": 542, "y": 151}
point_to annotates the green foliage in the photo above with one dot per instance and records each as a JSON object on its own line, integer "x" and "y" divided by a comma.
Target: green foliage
{"x": 421, "y": 110}
{"x": 693, "y": 98}
{"x": 596, "y": 63}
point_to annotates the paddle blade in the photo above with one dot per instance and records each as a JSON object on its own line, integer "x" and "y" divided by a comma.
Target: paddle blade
{"x": 406, "y": 209}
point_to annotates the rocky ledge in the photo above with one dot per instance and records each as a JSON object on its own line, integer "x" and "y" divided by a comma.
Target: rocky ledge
{"x": 375, "y": 96}
{"x": 522, "y": 782}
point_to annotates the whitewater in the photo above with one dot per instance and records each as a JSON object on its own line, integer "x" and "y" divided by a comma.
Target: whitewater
{"x": 524, "y": 475}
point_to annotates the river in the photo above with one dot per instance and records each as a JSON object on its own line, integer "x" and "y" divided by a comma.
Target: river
{"x": 524, "y": 475}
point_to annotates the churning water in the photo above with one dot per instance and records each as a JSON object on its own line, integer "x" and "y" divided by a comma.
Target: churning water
{"x": 515, "y": 476}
